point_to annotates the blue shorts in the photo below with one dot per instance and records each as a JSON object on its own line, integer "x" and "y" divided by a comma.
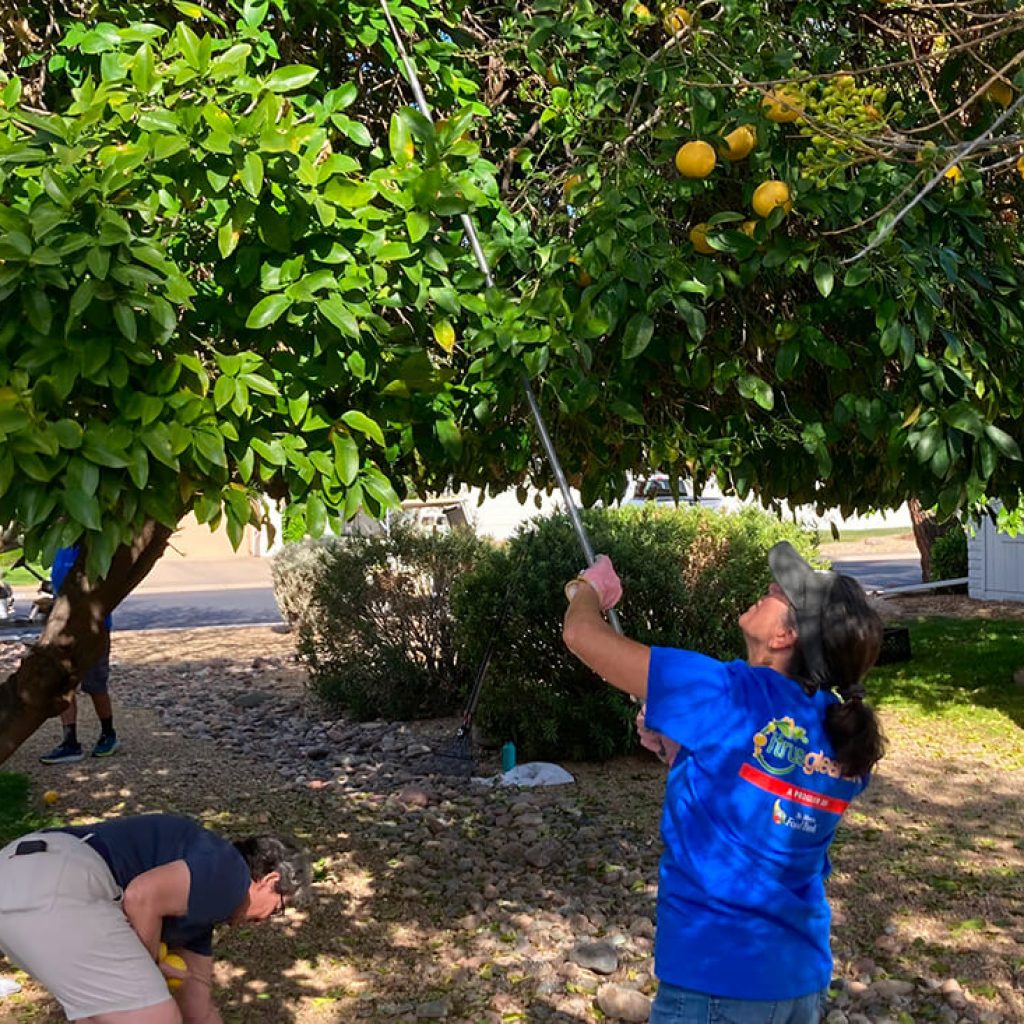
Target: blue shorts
{"x": 674, "y": 1005}
{"x": 95, "y": 681}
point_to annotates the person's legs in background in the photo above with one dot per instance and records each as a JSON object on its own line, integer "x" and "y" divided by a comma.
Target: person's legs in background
{"x": 69, "y": 749}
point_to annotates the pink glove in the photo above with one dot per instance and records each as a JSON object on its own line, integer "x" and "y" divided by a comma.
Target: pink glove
{"x": 602, "y": 577}
{"x": 665, "y": 748}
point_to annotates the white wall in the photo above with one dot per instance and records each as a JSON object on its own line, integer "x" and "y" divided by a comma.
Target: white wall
{"x": 995, "y": 565}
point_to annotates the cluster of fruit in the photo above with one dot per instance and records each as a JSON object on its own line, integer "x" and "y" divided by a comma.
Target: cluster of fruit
{"x": 673, "y": 19}
{"x": 697, "y": 159}
{"x": 843, "y": 119}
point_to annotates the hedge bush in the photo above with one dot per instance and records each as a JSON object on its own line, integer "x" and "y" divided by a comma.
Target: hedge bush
{"x": 687, "y": 575}
{"x": 949, "y": 554}
{"x": 374, "y": 619}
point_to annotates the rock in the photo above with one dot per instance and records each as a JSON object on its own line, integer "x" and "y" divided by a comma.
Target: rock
{"x": 891, "y": 988}
{"x": 950, "y": 985}
{"x": 435, "y": 1009}
{"x": 622, "y": 1003}
{"x": 837, "y": 1017}
{"x": 857, "y": 989}
{"x": 251, "y": 699}
{"x": 413, "y": 796}
{"x": 598, "y": 957}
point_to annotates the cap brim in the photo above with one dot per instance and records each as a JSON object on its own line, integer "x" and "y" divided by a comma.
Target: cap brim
{"x": 807, "y": 590}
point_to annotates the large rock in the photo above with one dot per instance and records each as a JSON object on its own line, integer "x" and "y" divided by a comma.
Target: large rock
{"x": 621, "y": 1003}
{"x": 598, "y": 957}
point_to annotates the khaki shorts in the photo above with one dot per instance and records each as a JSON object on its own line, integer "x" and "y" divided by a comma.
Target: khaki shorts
{"x": 61, "y": 922}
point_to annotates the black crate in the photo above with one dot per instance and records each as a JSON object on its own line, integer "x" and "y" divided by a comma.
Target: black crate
{"x": 895, "y": 646}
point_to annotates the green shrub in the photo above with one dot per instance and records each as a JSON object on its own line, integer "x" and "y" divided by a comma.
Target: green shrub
{"x": 949, "y": 554}
{"x": 687, "y": 575}
{"x": 374, "y": 619}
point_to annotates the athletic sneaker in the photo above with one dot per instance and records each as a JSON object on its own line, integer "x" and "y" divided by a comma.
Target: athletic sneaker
{"x": 106, "y": 745}
{"x": 65, "y": 753}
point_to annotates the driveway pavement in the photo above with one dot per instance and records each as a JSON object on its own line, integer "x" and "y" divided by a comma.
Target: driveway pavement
{"x": 881, "y": 572}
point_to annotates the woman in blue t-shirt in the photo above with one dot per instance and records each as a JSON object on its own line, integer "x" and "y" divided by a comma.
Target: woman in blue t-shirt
{"x": 768, "y": 753}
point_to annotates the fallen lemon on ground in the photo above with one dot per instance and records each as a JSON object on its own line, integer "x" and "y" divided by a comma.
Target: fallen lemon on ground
{"x": 769, "y": 195}
{"x": 695, "y": 160}
{"x": 739, "y": 143}
{"x": 676, "y": 20}
{"x": 782, "y": 107}
{"x": 699, "y": 239}
{"x": 51, "y": 796}
{"x": 177, "y": 962}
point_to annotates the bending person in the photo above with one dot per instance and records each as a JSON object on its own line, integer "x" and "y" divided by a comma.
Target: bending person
{"x": 85, "y": 910}
{"x": 770, "y": 757}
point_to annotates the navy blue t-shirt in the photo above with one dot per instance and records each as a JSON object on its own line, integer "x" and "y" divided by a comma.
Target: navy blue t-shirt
{"x": 219, "y": 876}
{"x": 752, "y": 803}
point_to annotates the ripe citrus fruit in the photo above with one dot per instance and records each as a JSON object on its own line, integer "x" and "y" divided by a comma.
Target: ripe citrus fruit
{"x": 748, "y": 227}
{"x": 699, "y": 239}
{"x": 739, "y": 143}
{"x": 173, "y": 960}
{"x": 51, "y": 796}
{"x": 695, "y": 160}
{"x": 676, "y": 20}
{"x": 954, "y": 174}
{"x": 571, "y": 182}
{"x": 1020, "y": 166}
{"x": 770, "y": 194}
{"x": 641, "y": 11}
{"x": 1001, "y": 93}
{"x": 782, "y": 107}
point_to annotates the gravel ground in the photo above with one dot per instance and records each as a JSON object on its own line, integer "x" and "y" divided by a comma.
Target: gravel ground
{"x": 438, "y": 899}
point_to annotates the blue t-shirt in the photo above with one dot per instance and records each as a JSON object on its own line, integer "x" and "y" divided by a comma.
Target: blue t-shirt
{"x": 219, "y": 876}
{"x": 751, "y": 805}
{"x": 63, "y": 563}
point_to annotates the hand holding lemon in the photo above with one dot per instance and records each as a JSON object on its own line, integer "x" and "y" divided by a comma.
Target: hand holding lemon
{"x": 175, "y": 963}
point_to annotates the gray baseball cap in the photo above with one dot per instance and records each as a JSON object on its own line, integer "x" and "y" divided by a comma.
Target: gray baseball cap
{"x": 807, "y": 590}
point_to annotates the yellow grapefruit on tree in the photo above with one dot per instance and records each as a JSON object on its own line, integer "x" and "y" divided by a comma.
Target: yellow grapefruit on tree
{"x": 739, "y": 143}
{"x": 699, "y": 239}
{"x": 954, "y": 174}
{"x": 782, "y": 107}
{"x": 695, "y": 160}
{"x": 571, "y": 182}
{"x": 999, "y": 92}
{"x": 769, "y": 195}
{"x": 676, "y": 20}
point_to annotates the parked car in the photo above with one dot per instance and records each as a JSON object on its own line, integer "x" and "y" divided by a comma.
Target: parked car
{"x": 657, "y": 487}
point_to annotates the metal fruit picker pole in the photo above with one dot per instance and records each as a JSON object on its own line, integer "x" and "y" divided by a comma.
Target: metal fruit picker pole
{"x": 481, "y": 259}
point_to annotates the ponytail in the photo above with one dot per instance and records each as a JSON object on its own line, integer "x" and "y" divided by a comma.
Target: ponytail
{"x": 851, "y": 633}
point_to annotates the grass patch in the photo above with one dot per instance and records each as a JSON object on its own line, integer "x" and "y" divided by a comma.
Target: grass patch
{"x": 825, "y": 535}
{"x": 22, "y": 577}
{"x": 16, "y": 814}
{"x": 961, "y": 675}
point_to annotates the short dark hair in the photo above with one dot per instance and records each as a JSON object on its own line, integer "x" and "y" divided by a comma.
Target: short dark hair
{"x": 266, "y": 854}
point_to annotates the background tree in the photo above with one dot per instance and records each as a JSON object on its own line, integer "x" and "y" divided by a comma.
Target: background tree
{"x": 231, "y": 272}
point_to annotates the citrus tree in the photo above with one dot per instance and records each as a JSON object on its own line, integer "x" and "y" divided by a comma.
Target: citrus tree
{"x": 232, "y": 272}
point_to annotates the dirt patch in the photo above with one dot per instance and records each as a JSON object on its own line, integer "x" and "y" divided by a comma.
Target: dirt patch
{"x": 954, "y": 606}
{"x": 897, "y": 545}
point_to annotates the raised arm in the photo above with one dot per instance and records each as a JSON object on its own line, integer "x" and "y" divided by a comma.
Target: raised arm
{"x": 616, "y": 659}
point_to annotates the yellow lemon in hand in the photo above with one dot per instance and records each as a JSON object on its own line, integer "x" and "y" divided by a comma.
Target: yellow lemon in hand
{"x": 177, "y": 962}
{"x": 782, "y": 107}
{"x": 676, "y": 20}
{"x": 770, "y": 194}
{"x": 51, "y": 796}
{"x": 739, "y": 143}
{"x": 695, "y": 160}
{"x": 699, "y": 239}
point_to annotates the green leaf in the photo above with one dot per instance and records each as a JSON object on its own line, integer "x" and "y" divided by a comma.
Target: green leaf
{"x": 1004, "y": 442}
{"x": 336, "y": 310}
{"x": 223, "y": 392}
{"x": 450, "y": 436}
{"x": 752, "y": 386}
{"x": 346, "y": 457}
{"x": 444, "y": 335}
{"x": 360, "y": 421}
{"x": 637, "y": 336}
{"x": 83, "y": 508}
{"x": 417, "y": 224}
{"x": 251, "y": 174}
{"x": 267, "y": 311}
{"x": 38, "y": 310}
{"x": 211, "y": 446}
{"x": 824, "y": 278}
{"x": 316, "y": 515}
{"x": 138, "y": 466}
{"x": 125, "y": 319}
{"x": 290, "y": 78}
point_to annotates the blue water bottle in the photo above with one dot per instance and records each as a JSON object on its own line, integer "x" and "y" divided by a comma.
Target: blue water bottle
{"x": 508, "y": 757}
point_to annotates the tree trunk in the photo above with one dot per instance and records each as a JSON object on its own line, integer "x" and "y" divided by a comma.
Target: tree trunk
{"x": 927, "y": 530}
{"x": 74, "y": 638}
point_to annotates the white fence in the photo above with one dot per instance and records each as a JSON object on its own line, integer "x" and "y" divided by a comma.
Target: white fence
{"x": 995, "y": 565}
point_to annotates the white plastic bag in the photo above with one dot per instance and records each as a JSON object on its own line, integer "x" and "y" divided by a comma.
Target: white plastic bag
{"x": 533, "y": 773}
